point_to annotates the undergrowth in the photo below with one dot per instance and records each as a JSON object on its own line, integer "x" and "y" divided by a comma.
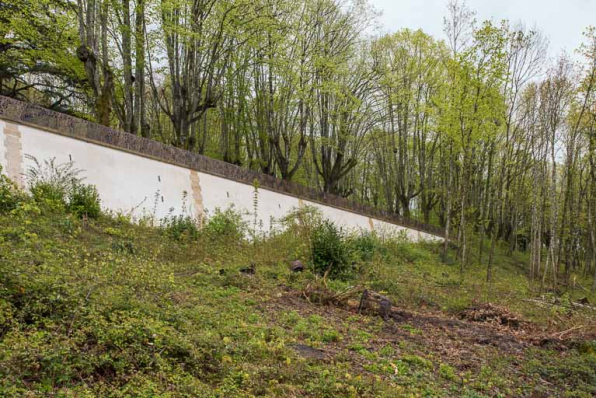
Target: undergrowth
{"x": 99, "y": 306}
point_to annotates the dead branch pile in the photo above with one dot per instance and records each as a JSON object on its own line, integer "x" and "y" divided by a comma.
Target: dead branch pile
{"x": 370, "y": 302}
{"x": 490, "y": 313}
{"x": 318, "y": 293}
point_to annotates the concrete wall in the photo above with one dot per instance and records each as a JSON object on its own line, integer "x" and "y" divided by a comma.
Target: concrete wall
{"x": 140, "y": 185}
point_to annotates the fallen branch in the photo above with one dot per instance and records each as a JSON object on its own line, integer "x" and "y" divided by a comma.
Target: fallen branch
{"x": 560, "y": 335}
{"x": 544, "y": 303}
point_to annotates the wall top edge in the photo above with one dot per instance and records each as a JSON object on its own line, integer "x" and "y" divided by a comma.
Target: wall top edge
{"x": 58, "y": 123}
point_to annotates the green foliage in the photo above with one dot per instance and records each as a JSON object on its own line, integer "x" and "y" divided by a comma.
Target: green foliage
{"x": 228, "y": 223}
{"x": 409, "y": 252}
{"x": 39, "y": 39}
{"x": 330, "y": 253}
{"x": 51, "y": 183}
{"x": 114, "y": 309}
{"x": 180, "y": 227}
{"x": 58, "y": 186}
{"x": 418, "y": 361}
{"x": 298, "y": 226}
{"x": 301, "y": 221}
{"x": 52, "y": 197}
{"x": 447, "y": 372}
{"x": 577, "y": 372}
{"x": 365, "y": 245}
{"x": 83, "y": 200}
{"x": 10, "y": 196}
{"x": 61, "y": 176}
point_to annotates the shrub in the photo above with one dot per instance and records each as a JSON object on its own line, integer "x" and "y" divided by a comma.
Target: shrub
{"x": 227, "y": 223}
{"x": 365, "y": 245}
{"x": 10, "y": 196}
{"x": 330, "y": 253}
{"x": 296, "y": 231}
{"x": 302, "y": 221}
{"x": 84, "y": 200}
{"x": 59, "y": 187}
{"x": 180, "y": 227}
{"x": 51, "y": 183}
{"x": 52, "y": 196}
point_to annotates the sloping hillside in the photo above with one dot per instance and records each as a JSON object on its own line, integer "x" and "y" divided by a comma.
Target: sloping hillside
{"x": 103, "y": 307}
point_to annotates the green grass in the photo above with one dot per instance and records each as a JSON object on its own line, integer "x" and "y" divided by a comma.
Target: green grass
{"x": 108, "y": 308}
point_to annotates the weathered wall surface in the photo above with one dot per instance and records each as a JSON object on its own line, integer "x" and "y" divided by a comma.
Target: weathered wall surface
{"x": 145, "y": 178}
{"x": 3, "y": 162}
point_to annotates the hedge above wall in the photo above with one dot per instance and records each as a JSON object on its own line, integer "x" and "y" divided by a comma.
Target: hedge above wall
{"x": 59, "y": 123}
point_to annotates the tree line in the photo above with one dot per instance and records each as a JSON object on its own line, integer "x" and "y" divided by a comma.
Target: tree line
{"x": 478, "y": 132}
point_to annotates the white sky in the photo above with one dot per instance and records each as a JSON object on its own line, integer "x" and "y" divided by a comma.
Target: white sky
{"x": 562, "y": 21}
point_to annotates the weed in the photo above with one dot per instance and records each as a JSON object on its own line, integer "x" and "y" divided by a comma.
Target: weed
{"x": 417, "y": 361}
{"x": 447, "y": 372}
{"x": 58, "y": 186}
{"x": 330, "y": 336}
{"x": 180, "y": 227}
{"x": 411, "y": 329}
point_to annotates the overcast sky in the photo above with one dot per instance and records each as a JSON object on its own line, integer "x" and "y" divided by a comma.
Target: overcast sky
{"x": 562, "y": 21}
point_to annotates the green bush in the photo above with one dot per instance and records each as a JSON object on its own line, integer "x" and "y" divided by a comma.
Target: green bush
{"x": 83, "y": 200}
{"x": 365, "y": 245}
{"x": 302, "y": 221}
{"x": 330, "y": 253}
{"x": 58, "y": 187}
{"x": 51, "y": 196}
{"x": 180, "y": 227}
{"x": 51, "y": 183}
{"x": 10, "y": 196}
{"x": 227, "y": 223}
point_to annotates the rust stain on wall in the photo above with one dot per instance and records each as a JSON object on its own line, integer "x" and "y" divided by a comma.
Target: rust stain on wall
{"x": 14, "y": 153}
{"x": 197, "y": 195}
{"x": 372, "y": 225}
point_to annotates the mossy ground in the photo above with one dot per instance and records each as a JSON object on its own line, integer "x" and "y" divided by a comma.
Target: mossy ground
{"x": 108, "y": 308}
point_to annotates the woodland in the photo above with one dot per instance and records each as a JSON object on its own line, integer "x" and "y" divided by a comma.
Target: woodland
{"x": 479, "y": 131}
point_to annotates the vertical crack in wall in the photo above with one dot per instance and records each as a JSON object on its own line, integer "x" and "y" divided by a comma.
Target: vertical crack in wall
{"x": 14, "y": 153}
{"x": 197, "y": 195}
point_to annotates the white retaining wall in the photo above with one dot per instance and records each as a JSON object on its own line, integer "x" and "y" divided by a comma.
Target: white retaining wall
{"x": 141, "y": 186}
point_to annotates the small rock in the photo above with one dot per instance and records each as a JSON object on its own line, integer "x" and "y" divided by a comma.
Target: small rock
{"x": 309, "y": 352}
{"x": 297, "y": 266}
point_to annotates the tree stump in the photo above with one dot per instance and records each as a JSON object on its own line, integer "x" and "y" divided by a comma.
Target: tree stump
{"x": 373, "y": 302}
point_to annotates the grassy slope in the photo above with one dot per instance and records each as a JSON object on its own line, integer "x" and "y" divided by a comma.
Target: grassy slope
{"x": 111, "y": 309}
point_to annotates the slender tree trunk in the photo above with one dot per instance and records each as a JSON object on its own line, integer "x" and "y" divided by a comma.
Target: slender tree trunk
{"x": 139, "y": 103}
{"x": 128, "y": 117}
{"x": 448, "y": 205}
